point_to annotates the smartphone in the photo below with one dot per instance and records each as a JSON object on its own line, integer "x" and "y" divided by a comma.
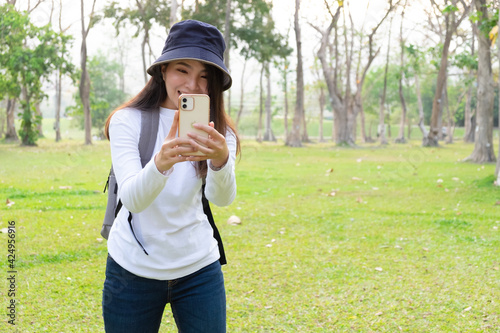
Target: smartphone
{"x": 193, "y": 108}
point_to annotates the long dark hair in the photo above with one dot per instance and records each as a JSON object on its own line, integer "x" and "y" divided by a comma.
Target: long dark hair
{"x": 154, "y": 94}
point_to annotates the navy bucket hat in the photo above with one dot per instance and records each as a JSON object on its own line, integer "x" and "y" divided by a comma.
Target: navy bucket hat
{"x": 194, "y": 40}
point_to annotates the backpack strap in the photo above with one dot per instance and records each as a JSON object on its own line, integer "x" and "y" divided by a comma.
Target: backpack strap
{"x": 208, "y": 213}
{"x": 149, "y": 130}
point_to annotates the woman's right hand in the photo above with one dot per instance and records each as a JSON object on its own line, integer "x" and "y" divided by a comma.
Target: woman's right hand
{"x": 172, "y": 149}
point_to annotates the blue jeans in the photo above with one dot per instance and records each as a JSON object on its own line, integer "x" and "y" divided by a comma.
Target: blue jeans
{"x": 134, "y": 304}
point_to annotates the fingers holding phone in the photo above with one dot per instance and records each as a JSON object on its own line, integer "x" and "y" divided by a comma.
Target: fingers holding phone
{"x": 174, "y": 149}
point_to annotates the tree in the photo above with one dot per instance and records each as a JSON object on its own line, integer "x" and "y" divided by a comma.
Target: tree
{"x": 253, "y": 31}
{"x": 261, "y": 41}
{"x": 142, "y": 16}
{"x": 294, "y": 139}
{"x": 401, "y": 135}
{"x": 84, "y": 86}
{"x": 451, "y": 24}
{"x": 105, "y": 92}
{"x": 492, "y": 33}
{"x": 319, "y": 84}
{"x": 381, "y": 118}
{"x": 28, "y": 55}
{"x": 283, "y": 65}
{"x": 346, "y": 105}
{"x": 416, "y": 58}
{"x": 68, "y": 69}
{"x": 483, "y": 143}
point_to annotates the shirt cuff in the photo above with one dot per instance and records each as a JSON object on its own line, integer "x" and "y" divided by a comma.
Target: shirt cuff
{"x": 216, "y": 168}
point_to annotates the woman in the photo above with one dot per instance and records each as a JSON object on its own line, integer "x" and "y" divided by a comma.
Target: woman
{"x": 167, "y": 254}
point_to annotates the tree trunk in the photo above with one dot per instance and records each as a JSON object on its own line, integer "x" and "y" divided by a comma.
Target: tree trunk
{"x": 305, "y": 136}
{"x": 449, "y": 117}
{"x": 227, "y": 39}
{"x": 261, "y": 100}
{"x": 469, "y": 114}
{"x": 242, "y": 93}
{"x": 401, "y": 135}
{"x": 409, "y": 128}
{"x": 421, "y": 115}
{"x": 483, "y": 144}
{"x": 381, "y": 115}
{"x": 268, "y": 135}
{"x": 143, "y": 53}
{"x": 3, "y": 120}
{"x": 321, "y": 113}
{"x": 435, "y": 131}
{"x": 39, "y": 117}
{"x": 85, "y": 81}
{"x": 11, "y": 134}
{"x": 497, "y": 168}
{"x": 57, "y": 123}
{"x": 294, "y": 139}
{"x": 285, "y": 97}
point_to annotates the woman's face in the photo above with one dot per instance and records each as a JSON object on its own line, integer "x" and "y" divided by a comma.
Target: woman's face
{"x": 183, "y": 77}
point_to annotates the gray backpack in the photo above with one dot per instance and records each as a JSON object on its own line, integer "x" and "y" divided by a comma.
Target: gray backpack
{"x": 149, "y": 130}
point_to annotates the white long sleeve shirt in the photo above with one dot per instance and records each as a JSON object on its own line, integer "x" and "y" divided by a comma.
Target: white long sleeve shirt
{"x": 168, "y": 217}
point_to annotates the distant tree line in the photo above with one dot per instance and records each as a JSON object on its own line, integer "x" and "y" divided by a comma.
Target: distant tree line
{"x": 441, "y": 81}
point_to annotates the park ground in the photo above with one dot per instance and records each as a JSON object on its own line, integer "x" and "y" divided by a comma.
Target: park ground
{"x": 397, "y": 238}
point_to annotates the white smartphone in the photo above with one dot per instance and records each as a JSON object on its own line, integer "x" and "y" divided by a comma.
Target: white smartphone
{"x": 193, "y": 108}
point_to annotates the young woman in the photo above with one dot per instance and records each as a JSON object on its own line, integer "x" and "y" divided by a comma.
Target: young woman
{"x": 167, "y": 254}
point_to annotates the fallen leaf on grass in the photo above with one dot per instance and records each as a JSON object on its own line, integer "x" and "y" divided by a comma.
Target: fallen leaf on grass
{"x": 234, "y": 220}
{"x": 359, "y": 200}
{"x": 9, "y": 202}
{"x": 379, "y": 313}
{"x": 468, "y": 309}
{"x": 356, "y": 178}
{"x": 65, "y": 187}
{"x": 379, "y": 269}
{"x": 99, "y": 240}
{"x": 329, "y": 170}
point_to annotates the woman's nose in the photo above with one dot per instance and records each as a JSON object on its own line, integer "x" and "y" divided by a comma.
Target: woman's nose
{"x": 193, "y": 84}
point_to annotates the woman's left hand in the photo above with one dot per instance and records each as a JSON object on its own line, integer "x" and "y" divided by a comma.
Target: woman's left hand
{"x": 214, "y": 147}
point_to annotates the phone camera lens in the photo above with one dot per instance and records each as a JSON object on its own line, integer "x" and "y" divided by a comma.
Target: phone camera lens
{"x": 184, "y": 100}
{"x": 184, "y": 106}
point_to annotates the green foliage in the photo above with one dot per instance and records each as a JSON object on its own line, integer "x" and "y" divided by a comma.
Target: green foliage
{"x": 143, "y": 15}
{"x": 28, "y": 55}
{"x": 374, "y": 84}
{"x": 105, "y": 94}
{"x": 465, "y": 60}
{"x": 252, "y": 27}
{"x": 485, "y": 23}
{"x": 450, "y": 9}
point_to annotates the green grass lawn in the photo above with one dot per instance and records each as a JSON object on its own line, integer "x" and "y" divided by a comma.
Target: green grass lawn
{"x": 400, "y": 238}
